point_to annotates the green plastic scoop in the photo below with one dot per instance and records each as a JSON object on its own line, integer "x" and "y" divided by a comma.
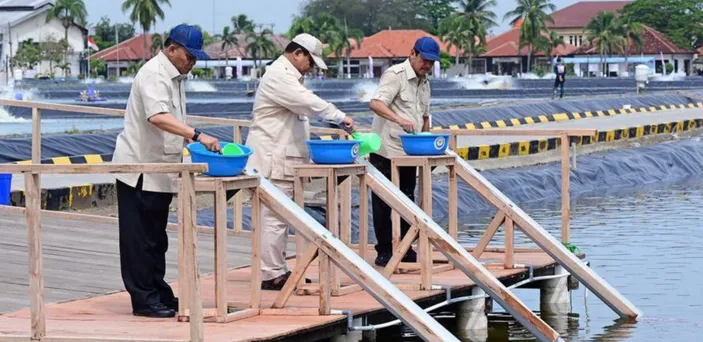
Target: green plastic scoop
{"x": 370, "y": 142}
{"x": 232, "y": 150}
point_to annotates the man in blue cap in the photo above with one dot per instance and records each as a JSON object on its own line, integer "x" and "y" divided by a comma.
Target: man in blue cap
{"x": 402, "y": 105}
{"x": 154, "y": 132}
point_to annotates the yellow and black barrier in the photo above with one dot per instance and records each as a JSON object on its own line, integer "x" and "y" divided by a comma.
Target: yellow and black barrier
{"x": 84, "y": 159}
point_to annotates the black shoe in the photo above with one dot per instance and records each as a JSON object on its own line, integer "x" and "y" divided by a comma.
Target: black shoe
{"x": 276, "y": 284}
{"x": 157, "y": 310}
{"x": 173, "y": 304}
{"x": 383, "y": 258}
{"x": 410, "y": 256}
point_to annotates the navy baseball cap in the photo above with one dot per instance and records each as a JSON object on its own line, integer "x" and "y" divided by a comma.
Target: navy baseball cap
{"x": 428, "y": 48}
{"x": 190, "y": 38}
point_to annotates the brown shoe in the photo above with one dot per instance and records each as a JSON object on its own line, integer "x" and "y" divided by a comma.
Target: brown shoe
{"x": 276, "y": 284}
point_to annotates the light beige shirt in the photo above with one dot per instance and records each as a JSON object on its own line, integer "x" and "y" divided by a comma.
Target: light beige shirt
{"x": 157, "y": 88}
{"x": 405, "y": 94}
{"x": 281, "y": 121}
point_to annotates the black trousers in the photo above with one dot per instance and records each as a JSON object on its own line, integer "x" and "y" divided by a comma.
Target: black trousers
{"x": 559, "y": 85}
{"x": 143, "y": 216}
{"x": 382, "y": 212}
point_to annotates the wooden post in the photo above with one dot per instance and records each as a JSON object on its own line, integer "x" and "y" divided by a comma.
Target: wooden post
{"x": 453, "y": 202}
{"x": 183, "y": 290}
{"x": 565, "y": 200}
{"x": 425, "y": 255}
{"x": 325, "y": 279}
{"x": 238, "y": 197}
{"x": 220, "y": 250}
{"x": 255, "y": 302}
{"x": 363, "y": 217}
{"x": 36, "y": 136}
{"x": 452, "y": 142}
{"x": 395, "y": 217}
{"x": 191, "y": 254}
{"x": 332, "y": 221}
{"x": 299, "y": 198}
{"x": 509, "y": 243}
{"x": 34, "y": 246}
{"x": 345, "y": 198}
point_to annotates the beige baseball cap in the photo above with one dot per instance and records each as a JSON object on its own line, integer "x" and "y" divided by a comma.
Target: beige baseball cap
{"x": 314, "y": 46}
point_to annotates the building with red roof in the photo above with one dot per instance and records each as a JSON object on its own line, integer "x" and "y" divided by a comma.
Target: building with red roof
{"x": 125, "y": 53}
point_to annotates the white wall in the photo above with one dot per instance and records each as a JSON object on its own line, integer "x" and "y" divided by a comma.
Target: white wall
{"x": 39, "y": 30}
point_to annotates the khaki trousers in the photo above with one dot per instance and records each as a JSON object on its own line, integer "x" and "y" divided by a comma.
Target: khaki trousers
{"x": 274, "y": 237}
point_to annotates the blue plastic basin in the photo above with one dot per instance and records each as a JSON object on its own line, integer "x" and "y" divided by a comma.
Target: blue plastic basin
{"x": 219, "y": 165}
{"x": 424, "y": 144}
{"x": 333, "y": 151}
{"x": 5, "y": 182}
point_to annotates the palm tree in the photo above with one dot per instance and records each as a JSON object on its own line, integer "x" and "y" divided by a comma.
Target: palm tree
{"x": 301, "y": 25}
{"x": 550, "y": 42}
{"x": 533, "y": 14}
{"x": 68, "y": 12}
{"x": 479, "y": 12}
{"x": 259, "y": 45}
{"x": 455, "y": 31}
{"x": 229, "y": 39}
{"x": 632, "y": 31}
{"x": 605, "y": 34}
{"x": 158, "y": 42}
{"x": 242, "y": 24}
{"x": 145, "y": 13}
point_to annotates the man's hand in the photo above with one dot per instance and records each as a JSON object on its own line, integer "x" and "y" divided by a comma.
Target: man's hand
{"x": 348, "y": 124}
{"x": 211, "y": 143}
{"x": 407, "y": 125}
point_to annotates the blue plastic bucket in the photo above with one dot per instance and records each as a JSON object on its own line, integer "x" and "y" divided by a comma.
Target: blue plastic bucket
{"x": 219, "y": 165}
{"x": 333, "y": 151}
{"x": 424, "y": 144}
{"x": 5, "y": 183}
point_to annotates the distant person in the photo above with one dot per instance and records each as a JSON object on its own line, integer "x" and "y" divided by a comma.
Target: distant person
{"x": 560, "y": 71}
{"x": 280, "y": 126}
{"x": 401, "y": 105}
{"x": 154, "y": 132}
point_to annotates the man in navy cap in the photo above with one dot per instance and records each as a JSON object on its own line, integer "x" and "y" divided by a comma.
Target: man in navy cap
{"x": 154, "y": 132}
{"x": 402, "y": 105}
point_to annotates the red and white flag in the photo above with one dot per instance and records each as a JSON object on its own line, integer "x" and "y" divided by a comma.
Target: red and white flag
{"x": 92, "y": 45}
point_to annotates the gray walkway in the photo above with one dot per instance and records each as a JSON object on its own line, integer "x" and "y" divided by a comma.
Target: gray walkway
{"x": 600, "y": 123}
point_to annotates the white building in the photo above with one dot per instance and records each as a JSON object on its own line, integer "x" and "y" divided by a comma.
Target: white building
{"x": 25, "y": 19}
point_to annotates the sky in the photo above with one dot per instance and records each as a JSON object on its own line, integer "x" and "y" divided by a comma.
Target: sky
{"x": 215, "y": 14}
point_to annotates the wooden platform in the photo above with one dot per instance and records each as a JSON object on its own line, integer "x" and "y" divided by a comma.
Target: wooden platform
{"x": 81, "y": 261}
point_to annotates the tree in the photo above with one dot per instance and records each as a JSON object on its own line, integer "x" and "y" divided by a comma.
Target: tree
{"x": 479, "y": 12}
{"x": 52, "y": 50}
{"x": 145, "y": 13}
{"x": 229, "y": 39}
{"x": 455, "y": 31}
{"x": 158, "y": 42}
{"x": 679, "y": 20}
{"x": 532, "y": 14}
{"x": 347, "y": 36}
{"x": 28, "y": 54}
{"x": 260, "y": 45}
{"x": 438, "y": 10}
{"x": 632, "y": 31}
{"x": 605, "y": 34}
{"x": 105, "y": 31}
{"x": 550, "y": 42}
{"x": 69, "y": 12}
{"x": 242, "y": 24}
{"x": 99, "y": 67}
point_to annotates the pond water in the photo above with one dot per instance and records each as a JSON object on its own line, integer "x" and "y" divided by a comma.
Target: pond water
{"x": 644, "y": 242}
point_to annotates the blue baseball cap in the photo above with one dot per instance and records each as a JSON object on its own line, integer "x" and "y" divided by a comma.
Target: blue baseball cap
{"x": 190, "y": 38}
{"x": 428, "y": 48}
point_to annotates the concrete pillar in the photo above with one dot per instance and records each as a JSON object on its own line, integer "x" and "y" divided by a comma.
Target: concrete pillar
{"x": 554, "y": 294}
{"x": 472, "y": 322}
{"x": 350, "y": 336}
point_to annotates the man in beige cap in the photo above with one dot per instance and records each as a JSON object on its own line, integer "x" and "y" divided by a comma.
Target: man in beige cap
{"x": 281, "y": 124}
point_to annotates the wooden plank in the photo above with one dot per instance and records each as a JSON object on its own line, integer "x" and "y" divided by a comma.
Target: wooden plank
{"x": 36, "y": 136}
{"x": 509, "y": 244}
{"x": 219, "y": 121}
{"x": 425, "y": 255}
{"x": 240, "y": 315}
{"x": 488, "y": 235}
{"x": 103, "y": 168}
{"x": 459, "y": 256}
{"x": 103, "y": 339}
{"x": 296, "y": 277}
{"x": 237, "y": 211}
{"x": 356, "y": 268}
{"x": 299, "y": 198}
{"x": 332, "y": 220}
{"x": 191, "y": 257}
{"x": 63, "y": 107}
{"x": 395, "y": 217}
{"x": 220, "y": 250}
{"x": 207, "y": 184}
{"x": 518, "y": 132}
{"x": 34, "y": 247}
{"x": 325, "y": 282}
{"x": 255, "y": 301}
{"x": 345, "y": 215}
{"x": 399, "y": 252}
{"x": 345, "y": 290}
{"x": 453, "y": 204}
{"x": 548, "y": 243}
{"x": 565, "y": 198}
{"x": 291, "y": 312}
{"x": 363, "y": 217}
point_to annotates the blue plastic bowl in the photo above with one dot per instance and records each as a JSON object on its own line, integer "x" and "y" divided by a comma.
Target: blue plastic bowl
{"x": 219, "y": 165}
{"x": 333, "y": 151}
{"x": 424, "y": 144}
